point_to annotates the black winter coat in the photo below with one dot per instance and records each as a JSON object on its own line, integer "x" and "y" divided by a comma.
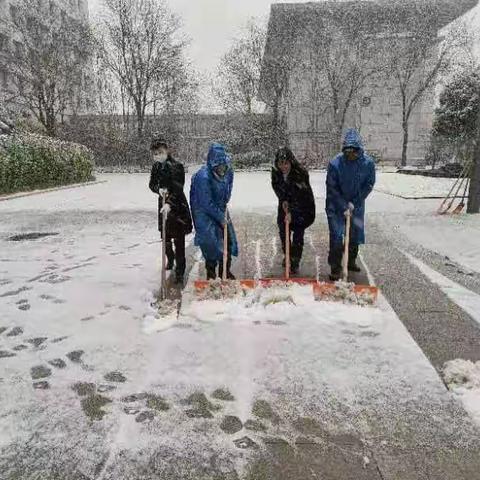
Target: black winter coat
{"x": 295, "y": 190}
{"x": 171, "y": 176}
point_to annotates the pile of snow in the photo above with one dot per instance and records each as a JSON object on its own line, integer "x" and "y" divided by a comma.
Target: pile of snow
{"x": 218, "y": 290}
{"x": 345, "y": 292}
{"x": 463, "y": 379}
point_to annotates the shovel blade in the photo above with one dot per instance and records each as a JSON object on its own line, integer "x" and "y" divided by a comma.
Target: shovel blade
{"x": 326, "y": 290}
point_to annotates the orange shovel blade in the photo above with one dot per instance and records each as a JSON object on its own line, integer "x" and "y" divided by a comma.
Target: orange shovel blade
{"x": 325, "y": 289}
{"x": 201, "y": 285}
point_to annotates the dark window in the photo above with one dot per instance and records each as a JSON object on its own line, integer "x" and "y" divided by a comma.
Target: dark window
{"x": 3, "y": 42}
{"x": 3, "y": 78}
{"x": 18, "y": 48}
{"x": 14, "y": 12}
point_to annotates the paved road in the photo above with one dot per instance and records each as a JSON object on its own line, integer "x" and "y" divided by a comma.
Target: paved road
{"x": 353, "y": 398}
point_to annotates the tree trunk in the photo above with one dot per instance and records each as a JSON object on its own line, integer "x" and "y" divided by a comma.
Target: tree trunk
{"x": 51, "y": 124}
{"x": 474, "y": 193}
{"x": 140, "y": 118}
{"x": 405, "y": 143}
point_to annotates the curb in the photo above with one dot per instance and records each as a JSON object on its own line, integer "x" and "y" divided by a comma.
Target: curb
{"x": 433, "y": 197}
{"x": 13, "y": 196}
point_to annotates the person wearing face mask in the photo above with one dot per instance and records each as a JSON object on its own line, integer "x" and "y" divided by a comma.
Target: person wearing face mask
{"x": 350, "y": 180}
{"x": 210, "y": 192}
{"x": 167, "y": 179}
{"x": 291, "y": 184}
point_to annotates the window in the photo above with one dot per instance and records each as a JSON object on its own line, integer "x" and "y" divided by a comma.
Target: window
{"x": 19, "y": 49}
{"x": 3, "y": 78}
{"x": 3, "y": 42}
{"x": 14, "y": 12}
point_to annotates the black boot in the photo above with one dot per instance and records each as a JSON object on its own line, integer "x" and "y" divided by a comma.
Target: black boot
{"x": 211, "y": 270}
{"x": 179, "y": 278}
{"x": 352, "y": 259}
{"x": 230, "y": 275}
{"x": 297, "y": 251}
{"x": 335, "y": 275}
{"x": 335, "y": 261}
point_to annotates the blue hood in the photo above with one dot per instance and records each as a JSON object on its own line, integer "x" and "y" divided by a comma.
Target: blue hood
{"x": 352, "y": 139}
{"x": 217, "y": 156}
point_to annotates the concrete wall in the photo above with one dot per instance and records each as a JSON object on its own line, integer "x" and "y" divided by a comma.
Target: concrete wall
{"x": 376, "y": 112}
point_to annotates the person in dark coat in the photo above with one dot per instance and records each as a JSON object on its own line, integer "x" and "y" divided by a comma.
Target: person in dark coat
{"x": 350, "y": 180}
{"x": 168, "y": 177}
{"x": 291, "y": 184}
{"x": 210, "y": 193}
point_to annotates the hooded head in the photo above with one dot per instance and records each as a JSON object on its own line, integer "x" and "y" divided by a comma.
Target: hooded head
{"x": 159, "y": 149}
{"x": 217, "y": 160}
{"x": 285, "y": 156}
{"x": 352, "y": 146}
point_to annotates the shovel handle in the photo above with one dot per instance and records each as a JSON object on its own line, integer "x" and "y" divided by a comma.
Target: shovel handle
{"x": 348, "y": 220}
{"x": 287, "y": 247}
{"x": 163, "y": 279}
{"x": 225, "y": 247}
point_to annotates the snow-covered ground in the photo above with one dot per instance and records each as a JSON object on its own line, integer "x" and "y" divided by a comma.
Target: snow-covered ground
{"x": 414, "y": 186}
{"x": 75, "y": 307}
{"x": 462, "y": 376}
{"x": 454, "y": 236}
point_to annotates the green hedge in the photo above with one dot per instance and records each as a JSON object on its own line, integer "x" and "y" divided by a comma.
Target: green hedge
{"x": 29, "y": 162}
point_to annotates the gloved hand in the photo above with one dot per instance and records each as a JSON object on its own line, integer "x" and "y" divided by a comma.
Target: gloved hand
{"x": 162, "y": 191}
{"x": 350, "y": 209}
{"x": 285, "y": 206}
{"x": 165, "y": 210}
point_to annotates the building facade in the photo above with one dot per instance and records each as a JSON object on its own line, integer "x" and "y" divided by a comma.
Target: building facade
{"x": 376, "y": 110}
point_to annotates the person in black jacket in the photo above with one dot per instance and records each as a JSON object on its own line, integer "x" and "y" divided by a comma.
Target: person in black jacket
{"x": 168, "y": 177}
{"x": 291, "y": 184}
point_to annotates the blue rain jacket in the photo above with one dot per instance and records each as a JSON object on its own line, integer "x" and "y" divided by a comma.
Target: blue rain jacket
{"x": 349, "y": 181}
{"x": 209, "y": 196}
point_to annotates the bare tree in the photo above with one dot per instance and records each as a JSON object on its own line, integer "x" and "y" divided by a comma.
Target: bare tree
{"x": 339, "y": 62}
{"x": 418, "y": 58}
{"x": 47, "y": 61}
{"x": 240, "y": 69}
{"x": 277, "y": 65}
{"x": 141, "y": 42}
{"x": 176, "y": 91}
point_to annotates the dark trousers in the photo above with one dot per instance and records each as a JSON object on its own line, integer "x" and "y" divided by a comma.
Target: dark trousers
{"x": 297, "y": 240}
{"x": 335, "y": 255}
{"x": 177, "y": 254}
{"x": 211, "y": 267}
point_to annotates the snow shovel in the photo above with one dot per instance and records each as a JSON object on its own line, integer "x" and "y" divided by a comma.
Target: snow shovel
{"x": 333, "y": 291}
{"x": 265, "y": 282}
{"x": 459, "y": 208}
{"x": 201, "y": 285}
{"x": 442, "y": 210}
{"x": 163, "y": 278}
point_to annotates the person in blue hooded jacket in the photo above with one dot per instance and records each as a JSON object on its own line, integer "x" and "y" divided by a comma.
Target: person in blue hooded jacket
{"x": 350, "y": 180}
{"x": 210, "y": 192}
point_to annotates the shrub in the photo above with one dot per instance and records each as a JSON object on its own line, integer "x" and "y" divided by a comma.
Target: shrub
{"x": 250, "y": 160}
{"x": 31, "y": 161}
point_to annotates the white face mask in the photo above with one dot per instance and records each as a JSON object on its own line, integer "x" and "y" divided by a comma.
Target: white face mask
{"x": 160, "y": 157}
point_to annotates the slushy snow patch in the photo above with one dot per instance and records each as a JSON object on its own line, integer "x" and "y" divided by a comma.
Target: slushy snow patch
{"x": 462, "y": 373}
{"x": 463, "y": 379}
